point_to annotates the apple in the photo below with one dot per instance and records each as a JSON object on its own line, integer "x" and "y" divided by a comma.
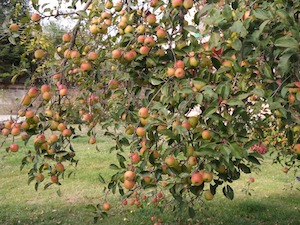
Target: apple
{"x": 151, "y": 19}
{"x": 66, "y": 133}
{"x": 161, "y": 33}
{"x": 39, "y": 177}
{"x": 94, "y": 29}
{"x": 54, "y": 179}
{"x": 8, "y": 124}
{"x": 193, "y": 120}
{"x": 130, "y": 55}
{"x": 196, "y": 179}
{"x": 113, "y": 84}
{"x": 63, "y": 92}
{"x": 85, "y": 66}
{"x": 153, "y": 3}
{"x": 186, "y": 125}
{"x": 116, "y": 54}
{"x": 141, "y": 39}
{"x": 105, "y": 15}
{"x": 251, "y": 179}
{"x": 118, "y": 6}
{"x": 45, "y": 88}
{"x": 108, "y": 4}
{"x": 171, "y": 161}
{"x": 124, "y": 202}
{"x": 92, "y": 56}
{"x": 59, "y": 167}
{"x": 14, "y": 147}
{"x": 149, "y": 41}
{"x": 208, "y": 195}
{"x": 47, "y": 96}
{"x": 193, "y": 61}
{"x": 29, "y": 114}
{"x": 170, "y": 72}
{"x": 35, "y": 17}
{"x": 144, "y": 50}
{"x": 106, "y": 206}
{"x": 61, "y": 127}
{"x": 206, "y": 135}
{"x": 13, "y": 27}
{"x": 39, "y": 54}
{"x": 192, "y": 161}
{"x": 40, "y": 139}
{"x": 135, "y": 158}
{"x": 122, "y": 25}
{"x": 160, "y": 52}
{"x": 128, "y": 29}
{"x": 5, "y": 132}
{"x": 188, "y": 4}
{"x": 140, "y": 131}
{"x": 25, "y": 125}
{"x": 75, "y": 54}
{"x": 140, "y": 29}
{"x": 66, "y": 37}
{"x": 143, "y": 112}
{"x": 177, "y": 3}
{"x": 179, "y": 64}
{"x": 297, "y": 149}
{"x": 15, "y": 131}
{"x": 179, "y": 73}
{"x": 53, "y": 139}
{"x": 129, "y": 175}
{"x": 207, "y": 177}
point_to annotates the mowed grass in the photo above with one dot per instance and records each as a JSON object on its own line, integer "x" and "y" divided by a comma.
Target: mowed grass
{"x": 272, "y": 202}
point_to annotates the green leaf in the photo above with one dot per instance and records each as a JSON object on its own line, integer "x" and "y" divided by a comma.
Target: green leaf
{"x": 253, "y": 160}
{"x": 258, "y": 92}
{"x": 209, "y": 111}
{"x": 284, "y": 64}
{"x": 214, "y": 39}
{"x": 228, "y": 192}
{"x": 287, "y": 42}
{"x": 12, "y": 40}
{"x": 101, "y": 179}
{"x": 227, "y": 12}
{"x": 298, "y": 96}
{"x": 235, "y": 102}
{"x": 239, "y": 28}
{"x": 261, "y": 14}
{"x": 82, "y": 13}
{"x": 244, "y": 168}
{"x": 192, "y": 212}
{"x": 191, "y": 29}
{"x": 114, "y": 167}
{"x": 155, "y": 81}
{"x": 237, "y": 44}
{"x": 199, "y": 98}
{"x": 236, "y": 151}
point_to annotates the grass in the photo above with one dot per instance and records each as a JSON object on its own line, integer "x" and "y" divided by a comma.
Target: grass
{"x": 272, "y": 202}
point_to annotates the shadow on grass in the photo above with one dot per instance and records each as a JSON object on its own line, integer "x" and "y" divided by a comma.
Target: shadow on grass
{"x": 281, "y": 209}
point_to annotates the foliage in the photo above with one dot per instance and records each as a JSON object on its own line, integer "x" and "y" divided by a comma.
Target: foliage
{"x": 140, "y": 70}
{"x": 10, "y": 54}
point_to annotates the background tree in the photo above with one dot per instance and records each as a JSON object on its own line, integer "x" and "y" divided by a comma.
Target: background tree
{"x": 10, "y": 55}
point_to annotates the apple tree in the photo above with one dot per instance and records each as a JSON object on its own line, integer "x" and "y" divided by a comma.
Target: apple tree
{"x": 186, "y": 89}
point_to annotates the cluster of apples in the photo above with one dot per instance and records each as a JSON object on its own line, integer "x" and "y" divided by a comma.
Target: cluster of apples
{"x": 137, "y": 199}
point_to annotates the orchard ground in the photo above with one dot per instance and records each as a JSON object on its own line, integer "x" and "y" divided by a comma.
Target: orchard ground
{"x": 272, "y": 201}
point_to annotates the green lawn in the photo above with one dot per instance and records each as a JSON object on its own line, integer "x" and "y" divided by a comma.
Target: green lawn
{"x": 272, "y": 202}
